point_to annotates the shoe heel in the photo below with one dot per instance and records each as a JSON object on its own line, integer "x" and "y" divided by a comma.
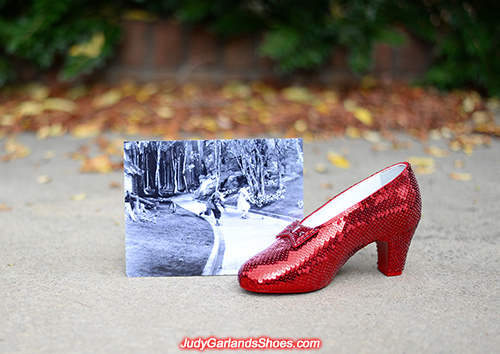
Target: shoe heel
{"x": 392, "y": 254}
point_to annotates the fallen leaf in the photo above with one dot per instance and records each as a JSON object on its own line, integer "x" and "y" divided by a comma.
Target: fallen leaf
{"x": 4, "y": 207}
{"x": 139, "y": 15}
{"x": 86, "y": 130}
{"x": 468, "y": 149}
{"x": 43, "y": 179}
{"x": 320, "y": 168}
{"x": 91, "y": 48}
{"x": 7, "y": 120}
{"x": 458, "y": 163}
{"x": 435, "y": 134}
{"x": 436, "y": 152}
{"x": 372, "y": 136}
{"x": 300, "y": 126}
{"x": 481, "y": 117}
{"x": 46, "y": 131}
{"x": 107, "y": 99}
{"x": 352, "y": 132}
{"x": 38, "y": 92}
{"x": 326, "y": 186}
{"x": 29, "y": 108}
{"x": 422, "y": 165}
{"x": 421, "y": 170}
{"x": 461, "y": 176}
{"x": 380, "y": 147}
{"x": 165, "y": 112}
{"x": 350, "y": 105}
{"x": 59, "y": 104}
{"x": 78, "y": 197}
{"x": 114, "y": 184}
{"x": 146, "y": 92}
{"x": 338, "y": 160}
{"x": 421, "y": 161}
{"x": 363, "y": 115}
{"x": 15, "y": 150}
{"x": 101, "y": 164}
{"x": 297, "y": 94}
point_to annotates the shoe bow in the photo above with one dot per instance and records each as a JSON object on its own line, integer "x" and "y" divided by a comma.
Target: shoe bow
{"x": 297, "y": 233}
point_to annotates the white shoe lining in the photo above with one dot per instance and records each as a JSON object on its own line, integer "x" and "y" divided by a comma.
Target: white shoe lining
{"x": 352, "y": 196}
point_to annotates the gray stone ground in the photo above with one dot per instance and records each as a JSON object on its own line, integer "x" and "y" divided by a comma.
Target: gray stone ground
{"x": 63, "y": 286}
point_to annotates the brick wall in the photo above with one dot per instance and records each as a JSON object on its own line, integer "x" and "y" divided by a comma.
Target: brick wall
{"x": 167, "y": 50}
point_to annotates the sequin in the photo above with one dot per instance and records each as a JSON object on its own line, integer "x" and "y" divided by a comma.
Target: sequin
{"x": 306, "y": 258}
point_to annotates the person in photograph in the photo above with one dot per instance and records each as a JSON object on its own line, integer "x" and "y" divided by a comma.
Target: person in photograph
{"x": 243, "y": 205}
{"x": 215, "y": 204}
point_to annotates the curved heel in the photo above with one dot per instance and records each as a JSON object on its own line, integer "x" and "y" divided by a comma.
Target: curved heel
{"x": 392, "y": 254}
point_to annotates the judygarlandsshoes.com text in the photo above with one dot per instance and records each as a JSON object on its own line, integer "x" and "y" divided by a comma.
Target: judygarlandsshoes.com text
{"x": 248, "y": 343}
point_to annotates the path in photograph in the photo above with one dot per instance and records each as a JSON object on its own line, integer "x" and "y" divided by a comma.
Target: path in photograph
{"x": 241, "y": 238}
{"x": 171, "y": 244}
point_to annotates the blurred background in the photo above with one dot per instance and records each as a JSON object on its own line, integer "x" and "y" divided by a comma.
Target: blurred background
{"x": 227, "y": 69}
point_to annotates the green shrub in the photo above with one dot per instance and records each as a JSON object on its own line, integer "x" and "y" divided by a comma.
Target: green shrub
{"x": 79, "y": 35}
{"x": 75, "y": 35}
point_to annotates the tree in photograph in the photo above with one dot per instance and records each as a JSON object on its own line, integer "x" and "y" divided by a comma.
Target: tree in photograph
{"x": 212, "y": 158}
{"x": 252, "y": 157}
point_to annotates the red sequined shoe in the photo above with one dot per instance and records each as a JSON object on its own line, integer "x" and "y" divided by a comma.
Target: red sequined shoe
{"x": 384, "y": 208}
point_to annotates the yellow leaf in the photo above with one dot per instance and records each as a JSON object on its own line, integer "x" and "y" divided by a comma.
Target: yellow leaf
{"x": 352, "y": 132}
{"x": 297, "y": 94}
{"x": 78, "y": 197}
{"x": 146, "y": 91}
{"x": 235, "y": 90}
{"x": 380, "y": 147}
{"x": 54, "y": 130}
{"x": 38, "y": 92}
{"x": 461, "y": 176}
{"x": 43, "y": 179}
{"x": 421, "y": 161}
{"x": 422, "y": 165}
{"x": 115, "y": 148}
{"x": 322, "y": 108}
{"x": 165, "y": 112}
{"x": 59, "y": 104}
{"x": 29, "y": 108}
{"x": 91, "y": 49}
{"x": 368, "y": 81}
{"x": 435, "y": 151}
{"x": 4, "y": 207}
{"x": 320, "y": 168}
{"x": 363, "y": 115}
{"x": 372, "y": 136}
{"x": 15, "y": 150}
{"x": 107, "y": 99}
{"x": 468, "y": 149}
{"x": 139, "y": 15}
{"x": 338, "y": 160}
{"x": 210, "y": 124}
{"x": 300, "y": 126}
{"x": 101, "y": 164}
{"x": 86, "y": 130}
{"x": 7, "y": 120}
{"x": 350, "y": 105}
{"x": 458, "y": 163}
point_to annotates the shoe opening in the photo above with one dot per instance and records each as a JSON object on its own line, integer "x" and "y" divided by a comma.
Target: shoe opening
{"x": 353, "y": 196}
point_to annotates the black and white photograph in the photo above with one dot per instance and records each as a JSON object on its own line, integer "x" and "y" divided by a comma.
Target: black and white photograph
{"x": 203, "y": 207}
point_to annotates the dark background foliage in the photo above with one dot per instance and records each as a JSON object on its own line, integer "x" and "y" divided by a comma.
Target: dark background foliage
{"x": 297, "y": 35}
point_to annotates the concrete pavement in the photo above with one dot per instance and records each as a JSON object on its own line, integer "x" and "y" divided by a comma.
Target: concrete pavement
{"x": 62, "y": 266}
